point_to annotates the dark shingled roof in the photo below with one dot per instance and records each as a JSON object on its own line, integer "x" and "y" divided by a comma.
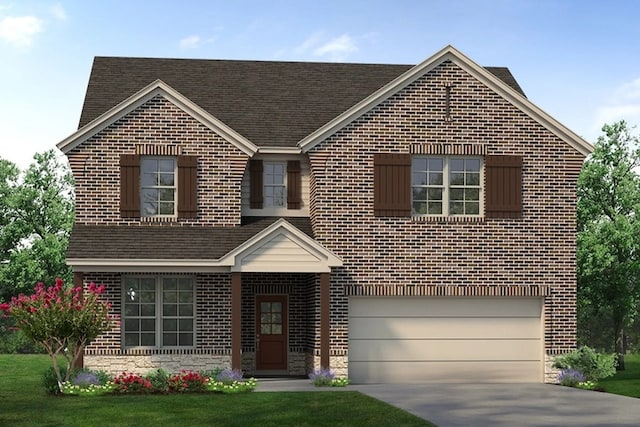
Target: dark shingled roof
{"x": 160, "y": 242}
{"x": 270, "y": 103}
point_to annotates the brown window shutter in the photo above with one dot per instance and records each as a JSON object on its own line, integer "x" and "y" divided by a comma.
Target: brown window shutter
{"x": 392, "y": 184}
{"x": 294, "y": 185}
{"x": 187, "y": 186}
{"x": 255, "y": 183}
{"x": 503, "y": 186}
{"x": 129, "y": 185}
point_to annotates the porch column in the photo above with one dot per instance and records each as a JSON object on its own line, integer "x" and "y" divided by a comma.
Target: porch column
{"x": 325, "y": 280}
{"x": 78, "y": 281}
{"x": 236, "y": 320}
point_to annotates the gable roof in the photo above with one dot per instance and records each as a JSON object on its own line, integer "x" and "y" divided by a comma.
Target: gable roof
{"x": 271, "y": 104}
{"x": 449, "y": 53}
{"x": 156, "y": 88}
{"x": 126, "y": 248}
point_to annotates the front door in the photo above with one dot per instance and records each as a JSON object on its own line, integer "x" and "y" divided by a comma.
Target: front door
{"x": 271, "y": 332}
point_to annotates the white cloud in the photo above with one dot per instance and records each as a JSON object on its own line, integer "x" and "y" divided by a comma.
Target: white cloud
{"x": 338, "y": 48}
{"x": 320, "y": 45}
{"x": 194, "y": 41}
{"x": 58, "y": 12}
{"x": 311, "y": 41}
{"x": 190, "y": 42}
{"x": 624, "y": 104}
{"x": 20, "y": 30}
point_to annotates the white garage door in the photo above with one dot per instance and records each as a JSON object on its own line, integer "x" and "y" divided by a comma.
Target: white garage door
{"x": 398, "y": 339}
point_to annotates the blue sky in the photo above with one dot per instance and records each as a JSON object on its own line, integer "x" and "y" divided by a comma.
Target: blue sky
{"x": 579, "y": 60}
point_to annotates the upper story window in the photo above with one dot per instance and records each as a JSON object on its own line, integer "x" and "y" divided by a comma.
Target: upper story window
{"x": 158, "y": 186}
{"x": 275, "y": 184}
{"x": 446, "y": 186}
{"x": 275, "y": 189}
{"x": 407, "y": 185}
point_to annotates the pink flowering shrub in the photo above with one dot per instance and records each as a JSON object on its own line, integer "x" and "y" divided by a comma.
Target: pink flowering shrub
{"x": 61, "y": 319}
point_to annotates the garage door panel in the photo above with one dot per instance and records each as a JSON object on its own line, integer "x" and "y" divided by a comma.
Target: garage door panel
{"x": 444, "y": 307}
{"x": 444, "y": 372}
{"x": 444, "y": 350}
{"x": 422, "y": 339}
{"x": 430, "y": 328}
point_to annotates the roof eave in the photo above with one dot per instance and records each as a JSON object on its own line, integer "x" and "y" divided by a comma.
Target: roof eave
{"x": 140, "y": 265}
{"x": 156, "y": 88}
{"x": 447, "y": 53}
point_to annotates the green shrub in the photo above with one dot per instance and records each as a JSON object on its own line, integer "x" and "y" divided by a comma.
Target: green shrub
{"x": 50, "y": 380}
{"x": 595, "y": 366}
{"x": 13, "y": 341}
{"x": 159, "y": 380}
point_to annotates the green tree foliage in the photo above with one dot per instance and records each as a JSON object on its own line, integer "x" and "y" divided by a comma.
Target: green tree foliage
{"x": 9, "y": 175}
{"x": 608, "y": 233}
{"x": 37, "y": 217}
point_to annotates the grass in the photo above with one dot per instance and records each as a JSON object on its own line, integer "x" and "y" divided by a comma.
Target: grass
{"x": 627, "y": 382}
{"x": 25, "y": 403}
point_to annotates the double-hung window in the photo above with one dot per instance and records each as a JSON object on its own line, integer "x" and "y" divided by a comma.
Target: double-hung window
{"x": 159, "y": 312}
{"x": 446, "y": 186}
{"x": 158, "y": 186}
{"x": 275, "y": 188}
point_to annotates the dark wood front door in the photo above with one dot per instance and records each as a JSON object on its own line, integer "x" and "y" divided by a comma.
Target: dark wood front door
{"x": 271, "y": 332}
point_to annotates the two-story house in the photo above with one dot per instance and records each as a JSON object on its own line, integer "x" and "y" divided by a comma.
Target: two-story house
{"x": 392, "y": 222}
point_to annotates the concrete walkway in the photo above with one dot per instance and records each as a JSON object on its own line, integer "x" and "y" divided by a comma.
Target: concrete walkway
{"x": 492, "y": 405}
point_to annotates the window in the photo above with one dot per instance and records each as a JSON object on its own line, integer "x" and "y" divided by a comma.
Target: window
{"x": 158, "y": 186}
{"x": 275, "y": 188}
{"x": 446, "y": 186}
{"x": 159, "y": 312}
{"x": 407, "y": 185}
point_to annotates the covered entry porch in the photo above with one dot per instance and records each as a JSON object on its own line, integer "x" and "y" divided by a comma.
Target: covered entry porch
{"x": 280, "y": 303}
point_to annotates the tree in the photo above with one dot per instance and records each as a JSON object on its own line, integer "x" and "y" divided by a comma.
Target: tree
{"x": 38, "y": 214}
{"x": 9, "y": 175}
{"x": 608, "y": 230}
{"x": 63, "y": 320}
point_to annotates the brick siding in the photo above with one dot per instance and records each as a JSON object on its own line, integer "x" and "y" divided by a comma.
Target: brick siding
{"x": 157, "y": 127}
{"x": 529, "y": 256}
{"x": 454, "y": 257}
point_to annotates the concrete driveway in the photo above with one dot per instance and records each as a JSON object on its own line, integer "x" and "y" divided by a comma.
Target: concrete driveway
{"x": 491, "y": 405}
{"x": 508, "y": 405}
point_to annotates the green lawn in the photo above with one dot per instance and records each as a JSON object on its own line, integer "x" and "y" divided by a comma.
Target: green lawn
{"x": 23, "y": 402}
{"x": 625, "y": 382}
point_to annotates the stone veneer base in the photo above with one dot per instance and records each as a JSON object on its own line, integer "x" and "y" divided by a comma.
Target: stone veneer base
{"x": 142, "y": 364}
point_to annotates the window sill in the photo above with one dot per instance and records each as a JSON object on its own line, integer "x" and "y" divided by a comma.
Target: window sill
{"x": 158, "y": 219}
{"x": 446, "y": 219}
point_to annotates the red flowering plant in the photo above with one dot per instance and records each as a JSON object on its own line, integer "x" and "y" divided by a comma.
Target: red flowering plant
{"x": 131, "y": 383}
{"x": 62, "y": 319}
{"x": 187, "y": 381}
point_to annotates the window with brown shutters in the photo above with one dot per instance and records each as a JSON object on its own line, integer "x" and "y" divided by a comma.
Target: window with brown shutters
{"x": 392, "y": 184}
{"x": 155, "y": 189}
{"x": 255, "y": 183}
{"x": 187, "y": 187}
{"x": 130, "y": 186}
{"x": 294, "y": 185}
{"x": 503, "y": 180}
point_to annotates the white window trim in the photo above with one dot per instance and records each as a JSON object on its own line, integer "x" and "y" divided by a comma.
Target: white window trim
{"x": 158, "y": 316}
{"x": 174, "y": 187}
{"x": 446, "y": 188}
